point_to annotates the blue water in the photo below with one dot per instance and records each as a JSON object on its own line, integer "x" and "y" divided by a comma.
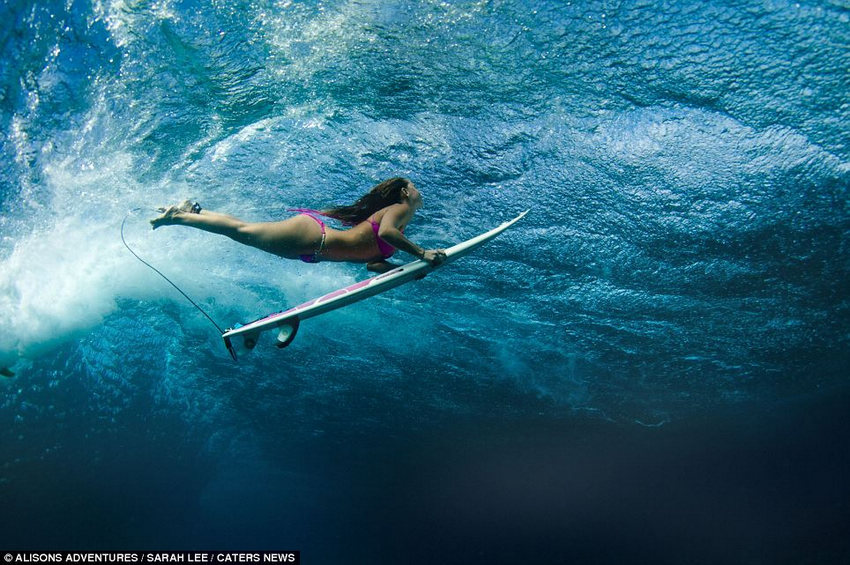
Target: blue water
{"x": 649, "y": 368}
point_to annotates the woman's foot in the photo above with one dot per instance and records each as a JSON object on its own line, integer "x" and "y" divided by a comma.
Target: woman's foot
{"x": 170, "y": 214}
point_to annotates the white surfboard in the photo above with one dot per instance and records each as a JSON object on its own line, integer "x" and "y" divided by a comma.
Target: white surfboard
{"x": 287, "y": 321}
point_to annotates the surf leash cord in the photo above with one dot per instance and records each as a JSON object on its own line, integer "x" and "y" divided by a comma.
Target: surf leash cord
{"x": 157, "y": 271}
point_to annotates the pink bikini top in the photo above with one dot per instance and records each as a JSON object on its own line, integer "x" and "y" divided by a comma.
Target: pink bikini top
{"x": 385, "y": 248}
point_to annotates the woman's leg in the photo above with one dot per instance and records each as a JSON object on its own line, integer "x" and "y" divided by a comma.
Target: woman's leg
{"x": 205, "y": 220}
{"x": 289, "y": 238}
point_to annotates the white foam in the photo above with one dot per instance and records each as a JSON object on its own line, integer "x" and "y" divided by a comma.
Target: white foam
{"x": 63, "y": 278}
{"x": 56, "y": 284}
{"x": 68, "y": 269}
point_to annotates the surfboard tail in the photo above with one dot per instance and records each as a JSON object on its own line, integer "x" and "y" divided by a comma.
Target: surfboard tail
{"x": 249, "y": 341}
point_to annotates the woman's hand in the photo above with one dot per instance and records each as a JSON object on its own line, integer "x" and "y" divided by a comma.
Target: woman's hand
{"x": 434, "y": 256}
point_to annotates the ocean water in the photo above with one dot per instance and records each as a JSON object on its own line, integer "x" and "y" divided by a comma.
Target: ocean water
{"x": 650, "y": 368}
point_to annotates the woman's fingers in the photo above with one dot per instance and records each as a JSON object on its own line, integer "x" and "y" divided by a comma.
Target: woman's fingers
{"x": 435, "y": 256}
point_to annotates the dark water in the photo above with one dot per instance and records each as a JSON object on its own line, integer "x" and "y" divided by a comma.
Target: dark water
{"x": 649, "y": 368}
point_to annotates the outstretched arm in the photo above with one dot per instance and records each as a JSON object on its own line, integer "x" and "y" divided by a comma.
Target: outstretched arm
{"x": 398, "y": 215}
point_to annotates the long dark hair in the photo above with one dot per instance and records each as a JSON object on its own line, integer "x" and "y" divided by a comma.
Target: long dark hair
{"x": 382, "y": 195}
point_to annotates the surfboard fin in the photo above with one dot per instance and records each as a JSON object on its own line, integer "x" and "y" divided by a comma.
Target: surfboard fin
{"x": 287, "y": 332}
{"x": 230, "y": 349}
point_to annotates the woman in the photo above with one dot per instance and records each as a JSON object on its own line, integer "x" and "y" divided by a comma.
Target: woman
{"x": 378, "y": 219}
